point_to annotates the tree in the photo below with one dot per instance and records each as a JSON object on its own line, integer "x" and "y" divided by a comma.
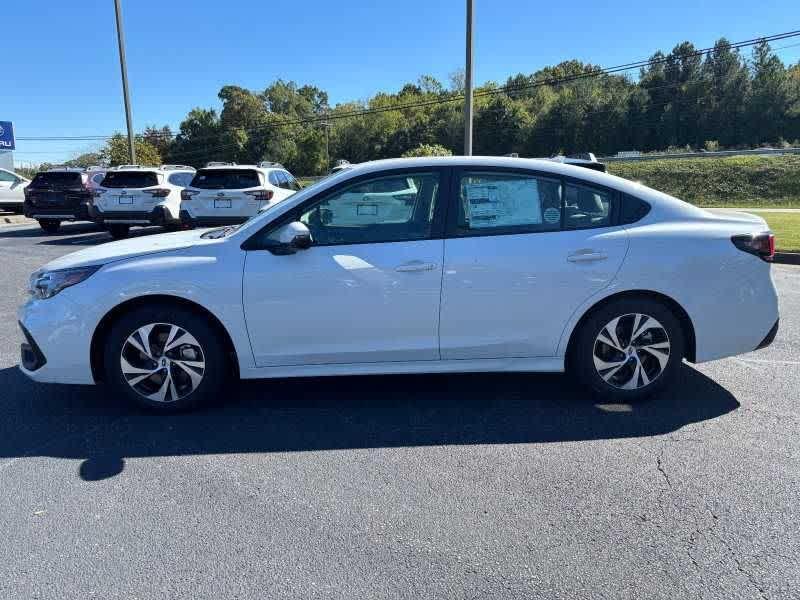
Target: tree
{"x": 116, "y": 152}
{"x": 427, "y": 150}
{"x": 198, "y": 140}
{"x": 87, "y": 159}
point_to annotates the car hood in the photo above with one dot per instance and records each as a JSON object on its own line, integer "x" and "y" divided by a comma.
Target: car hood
{"x": 139, "y": 246}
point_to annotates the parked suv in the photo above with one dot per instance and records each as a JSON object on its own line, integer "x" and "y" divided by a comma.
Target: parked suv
{"x": 133, "y": 195}
{"x": 59, "y": 194}
{"x": 231, "y": 194}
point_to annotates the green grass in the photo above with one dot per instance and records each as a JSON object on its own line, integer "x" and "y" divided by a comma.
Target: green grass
{"x": 786, "y": 227}
{"x": 743, "y": 181}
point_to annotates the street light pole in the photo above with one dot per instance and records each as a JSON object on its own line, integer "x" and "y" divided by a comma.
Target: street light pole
{"x": 468, "y": 85}
{"x": 123, "y": 67}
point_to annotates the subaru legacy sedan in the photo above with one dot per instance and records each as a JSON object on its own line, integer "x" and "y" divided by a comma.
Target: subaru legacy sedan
{"x": 445, "y": 265}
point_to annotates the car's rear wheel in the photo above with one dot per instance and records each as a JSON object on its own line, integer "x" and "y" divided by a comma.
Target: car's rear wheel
{"x": 628, "y": 349}
{"x": 119, "y": 232}
{"x": 165, "y": 358}
{"x": 50, "y": 225}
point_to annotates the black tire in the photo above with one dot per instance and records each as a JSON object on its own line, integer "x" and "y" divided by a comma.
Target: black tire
{"x": 50, "y": 225}
{"x": 119, "y": 232}
{"x": 586, "y": 344}
{"x": 217, "y": 367}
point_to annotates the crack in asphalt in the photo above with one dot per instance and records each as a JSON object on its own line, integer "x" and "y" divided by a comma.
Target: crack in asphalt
{"x": 700, "y": 532}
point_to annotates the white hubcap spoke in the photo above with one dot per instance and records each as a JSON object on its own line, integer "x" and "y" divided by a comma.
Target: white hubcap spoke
{"x": 172, "y": 370}
{"x": 631, "y": 351}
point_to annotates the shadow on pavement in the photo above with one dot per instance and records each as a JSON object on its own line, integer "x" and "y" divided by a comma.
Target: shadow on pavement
{"x": 75, "y": 234}
{"x": 338, "y": 413}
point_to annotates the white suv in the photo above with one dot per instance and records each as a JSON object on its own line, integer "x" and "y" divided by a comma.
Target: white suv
{"x": 134, "y": 195}
{"x": 229, "y": 194}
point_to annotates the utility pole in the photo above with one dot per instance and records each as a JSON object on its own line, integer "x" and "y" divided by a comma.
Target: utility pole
{"x": 327, "y": 125}
{"x": 123, "y": 67}
{"x": 468, "y": 85}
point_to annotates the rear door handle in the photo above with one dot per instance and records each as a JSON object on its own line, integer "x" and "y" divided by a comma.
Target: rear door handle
{"x": 415, "y": 265}
{"x": 586, "y": 256}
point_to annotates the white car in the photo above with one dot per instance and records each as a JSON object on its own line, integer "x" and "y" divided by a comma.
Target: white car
{"x": 502, "y": 264}
{"x": 228, "y": 194}
{"x": 132, "y": 195}
{"x": 12, "y": 191}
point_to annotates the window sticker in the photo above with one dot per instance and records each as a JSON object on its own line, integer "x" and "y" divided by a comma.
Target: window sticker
{"x": 503, "y": 203}
{"x": 552, "y": 215}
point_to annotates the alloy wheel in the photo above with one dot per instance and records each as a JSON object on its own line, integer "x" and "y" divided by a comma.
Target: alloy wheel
{"x": 631, "y": 351}
{"x": 162, "y": 362}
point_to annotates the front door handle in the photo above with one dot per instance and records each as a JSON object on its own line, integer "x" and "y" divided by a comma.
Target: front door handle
{"x": 415, "y": 265}
{"x": 586, "y": 256}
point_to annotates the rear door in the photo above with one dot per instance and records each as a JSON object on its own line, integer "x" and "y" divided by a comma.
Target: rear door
{"x": 228, "y": 192}
{"x": 523, "y": 252}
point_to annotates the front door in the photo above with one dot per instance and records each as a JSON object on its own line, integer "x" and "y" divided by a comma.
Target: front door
{"x": 523, "y": 253}
{"x": 367, "y": 290}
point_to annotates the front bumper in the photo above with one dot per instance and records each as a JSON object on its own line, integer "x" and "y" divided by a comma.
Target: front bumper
{"x": 56, "y": 342}
{"x": 159, "y": 215}
{"x": 190, "y": 221}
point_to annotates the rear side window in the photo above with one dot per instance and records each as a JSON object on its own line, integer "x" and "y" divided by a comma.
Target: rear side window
{"x": 633, "y": 209}
{"x": 57, "y": 179}
{"x": 273, "y": 178}
{"x": 226, "y": 179}
{"x": 130, "y": 179}
{"x": 507, "y": 203}
{"x": 181, "y": 179}
{"x": 586, "y": 206}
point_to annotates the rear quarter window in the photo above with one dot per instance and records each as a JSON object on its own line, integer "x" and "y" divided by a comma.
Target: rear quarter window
{"x": 130, "y": 179}
{"x": 633, "y": 209}
{"x": 226, "y": 179}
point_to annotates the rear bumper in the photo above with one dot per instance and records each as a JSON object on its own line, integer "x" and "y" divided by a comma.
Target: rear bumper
{"x": 187, "y": 219}
{"x": 159, "y": 215}
{"x": 76, "y": 213}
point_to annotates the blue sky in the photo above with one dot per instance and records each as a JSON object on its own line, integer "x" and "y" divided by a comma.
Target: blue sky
{"x": 64, "y": 76}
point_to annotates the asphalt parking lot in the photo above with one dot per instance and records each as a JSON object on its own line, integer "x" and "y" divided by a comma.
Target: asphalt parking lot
{"x": 475, "y": 486}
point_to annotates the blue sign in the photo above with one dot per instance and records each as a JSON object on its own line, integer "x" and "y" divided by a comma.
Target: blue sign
{"x": 6, "y": 135}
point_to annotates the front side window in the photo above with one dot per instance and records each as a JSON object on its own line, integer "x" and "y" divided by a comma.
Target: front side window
{"x": 6, "y": 176}
{"x": 507, "y": 203}
{"x": 586, "y": 206}
{"x": 384, "y": 209}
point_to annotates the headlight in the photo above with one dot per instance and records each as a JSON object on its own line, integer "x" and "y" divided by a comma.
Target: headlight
{"x": 46, "y": 284}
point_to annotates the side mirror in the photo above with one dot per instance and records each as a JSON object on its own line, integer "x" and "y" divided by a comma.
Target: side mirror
{"x": 288, "y": 239}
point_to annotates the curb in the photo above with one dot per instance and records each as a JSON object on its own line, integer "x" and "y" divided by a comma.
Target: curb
{"x": 786, "y": 258}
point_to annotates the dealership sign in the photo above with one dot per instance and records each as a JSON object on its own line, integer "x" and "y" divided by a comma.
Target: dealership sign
{"x": 6, "y": 135}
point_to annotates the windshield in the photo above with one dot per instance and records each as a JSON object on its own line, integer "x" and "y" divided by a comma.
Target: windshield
{"x": 129, "y": 179}
{"x": 226, "y": 179}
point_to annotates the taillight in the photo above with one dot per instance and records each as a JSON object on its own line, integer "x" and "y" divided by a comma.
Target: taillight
{"x": 760, "y": 244}
{"x": 187, "y": 195}
{"x": 261, "y": 195}
{"x": 158, "y": 192}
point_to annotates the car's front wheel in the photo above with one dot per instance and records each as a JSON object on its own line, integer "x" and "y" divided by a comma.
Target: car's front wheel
{"x": 628, "y": 349}
{"x": 50, "y": 225}
{"x": 165, "y": 358}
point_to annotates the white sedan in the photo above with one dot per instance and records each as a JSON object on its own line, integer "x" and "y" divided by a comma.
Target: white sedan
{"x": 500, "y": 264}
